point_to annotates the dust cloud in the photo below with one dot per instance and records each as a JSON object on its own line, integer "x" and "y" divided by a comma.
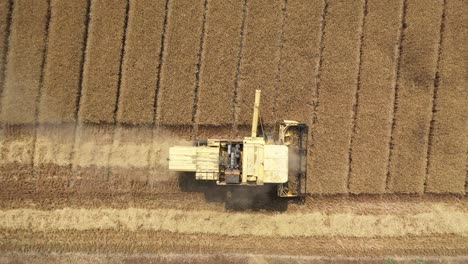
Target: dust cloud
{"x": 90, "y": 145}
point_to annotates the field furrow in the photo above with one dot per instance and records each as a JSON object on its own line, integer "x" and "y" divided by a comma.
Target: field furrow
{"x": 25, "y": 59}
{"x": 141, "y": 62}
{"x": 413, "y": 105}
{"x": 374, "y": 109}
{"x": 449, "y": 141}
{"x": 102, "y": 61}
{"x": 220, "y": 60}
{"x": 329, "y": 158}
{"x": 260, "y": 59}
{"x": 179, "y": 63}
{"x": 62, "y": 72}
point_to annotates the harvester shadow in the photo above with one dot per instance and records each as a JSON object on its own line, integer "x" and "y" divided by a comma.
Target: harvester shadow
{"x": 235, "y": 198}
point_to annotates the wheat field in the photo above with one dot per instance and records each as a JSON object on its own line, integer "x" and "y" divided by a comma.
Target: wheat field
{"x": 94, "y": 92}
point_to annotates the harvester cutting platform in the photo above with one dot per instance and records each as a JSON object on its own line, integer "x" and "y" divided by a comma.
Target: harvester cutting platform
{"x": 261, "y": 159}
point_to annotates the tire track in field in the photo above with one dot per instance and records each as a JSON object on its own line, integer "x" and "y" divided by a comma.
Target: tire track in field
{"x": 155, "y": 129}
{"x": 6, "y": 17}
{"x": 435, "y": 93}
{"x": 197, "y": 73}
{"x": 84, "y": 49}
{"x": 121, "y": 62}
{"x": 116, "y": 124}
{"x": 39, "y": 94}
{"x": 396, "y": 87}
{"x": 235, "y": 107}
{"x": 447, "y": 170}
{"x": 83, "y": 61}
{"x": 316, "y": 93}
{"x": 160, "y": 63}
{"x": 356, "y": 97}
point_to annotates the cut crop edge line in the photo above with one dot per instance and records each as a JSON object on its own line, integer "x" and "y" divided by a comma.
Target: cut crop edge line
{"x": 235, "y": 99}
{"x": 155, "y": 125}
{"x": 160, "y": 65}
{"x": 119, "y": 86}
{"x": 38, "y": 98}
{"x": 77, "y": 124}
{"x": 318, "y": 76}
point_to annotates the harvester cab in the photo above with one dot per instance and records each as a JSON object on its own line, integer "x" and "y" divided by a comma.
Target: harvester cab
{"x": 252, "y": 161}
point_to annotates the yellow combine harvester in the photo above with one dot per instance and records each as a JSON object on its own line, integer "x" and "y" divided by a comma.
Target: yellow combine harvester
{"x": 256, "y": 160}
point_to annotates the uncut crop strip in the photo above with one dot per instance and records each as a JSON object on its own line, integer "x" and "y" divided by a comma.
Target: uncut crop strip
{"x": 260, "y": 59}
{"x": 376, "y": 92}
{"x": 141, "y": 61}
{"x": 25, "y": 58}
{"x": 179, "y": 63}
{"x": 63, "y": 61}
{"x": 220, "y": 59}
{"x": 449, "y": 141}
{"x": 414, "y": 94}
{"x": 6, "y": 8}
{"x": 443, "y": 220}
{"x": 102, "y": 62}
{"x": 294, "y": 96}
{"x": 147, "y": 244}
{"x": 329, "y": 161}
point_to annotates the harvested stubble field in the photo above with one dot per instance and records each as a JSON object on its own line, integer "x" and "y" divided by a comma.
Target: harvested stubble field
{"x": 94, "y": 92}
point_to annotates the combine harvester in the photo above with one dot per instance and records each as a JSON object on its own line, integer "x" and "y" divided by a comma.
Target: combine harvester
{"x": 261, "y": 159}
